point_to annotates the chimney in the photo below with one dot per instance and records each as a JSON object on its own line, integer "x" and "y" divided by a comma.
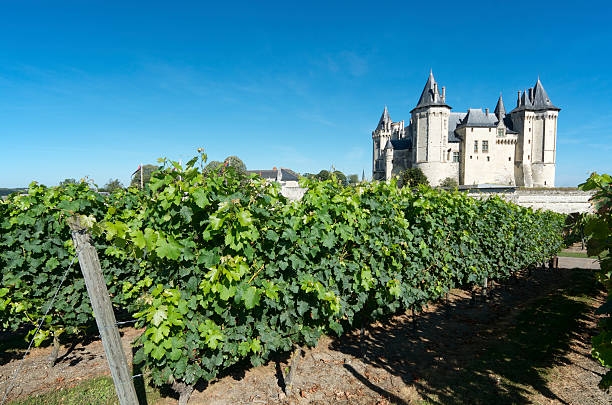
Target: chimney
{"x": 444, "y": 94}
{"x": 531, "y": 95}
{"x": 518, "y": 99}
{"x": 435, "y": 95}
{"x": 487, "y": 112}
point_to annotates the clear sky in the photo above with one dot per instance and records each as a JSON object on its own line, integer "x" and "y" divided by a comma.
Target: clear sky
{"x": 94, "y": 88}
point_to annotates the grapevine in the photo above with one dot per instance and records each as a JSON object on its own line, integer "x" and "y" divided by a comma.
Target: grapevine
{"x": 219, "y": 268}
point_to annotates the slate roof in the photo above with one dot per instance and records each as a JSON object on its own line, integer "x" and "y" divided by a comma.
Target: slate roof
{"x": 453, "y": 122}
{"x": 384, "y": 118}
{"x": 429, "y": 96}
{"x": 475, "y": 117}
{"x": 535, "y": 99}
{"x": 500, "y": 110}
{"x": 286, "y": 174}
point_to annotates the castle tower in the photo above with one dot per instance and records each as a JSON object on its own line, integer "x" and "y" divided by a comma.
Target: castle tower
{"x": 430, "y": 133}
{"x": 388, "y": 160}
{"x": 385, "y": 131}
{"x": 535, "y": 119}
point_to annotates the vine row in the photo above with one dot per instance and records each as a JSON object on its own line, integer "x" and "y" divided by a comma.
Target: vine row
{"x": 218, "y": 267}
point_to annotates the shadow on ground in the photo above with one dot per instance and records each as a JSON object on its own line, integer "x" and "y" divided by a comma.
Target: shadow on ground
{"x": 488, "y": 352}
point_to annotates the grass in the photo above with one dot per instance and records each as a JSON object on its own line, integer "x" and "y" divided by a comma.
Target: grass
{"x": 96, "y": 391}
{"x": 574, "y": 254}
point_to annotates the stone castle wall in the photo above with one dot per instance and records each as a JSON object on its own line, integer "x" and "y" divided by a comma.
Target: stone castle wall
{"x": 557, "y": 200}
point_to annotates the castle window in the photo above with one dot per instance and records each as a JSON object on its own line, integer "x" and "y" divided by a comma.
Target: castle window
{"x": 485, "y": 146}
{"x": 475, "y": 146}
{"x": 488, "y": 158}
{"x": 500, "y": 132}
{"x": 455, "y": 157}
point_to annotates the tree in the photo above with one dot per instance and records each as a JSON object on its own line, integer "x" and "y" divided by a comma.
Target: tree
{"x": 236, "y": 162}
{"x": 231, "y": 161}
{"x": 147, "y": 170}
{"x": 323, "y": 175}
{"x": 413, "y": 177}
{"x": 353, "y": 179}
{"x": 575, "y": 224}
{"x": 341, "y": 177}
{"x": 213, "y": 166}
{"x": 449, "y": 183}
{"x": 65, "y": 182}
{"x": 327, "y": 175}
{"x": 112, "y": 185}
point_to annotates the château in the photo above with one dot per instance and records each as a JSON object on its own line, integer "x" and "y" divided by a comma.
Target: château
{"x": 474, "y": 147}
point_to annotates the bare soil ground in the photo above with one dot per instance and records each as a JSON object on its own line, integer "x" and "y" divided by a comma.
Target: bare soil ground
{"x": 457, "y": 352}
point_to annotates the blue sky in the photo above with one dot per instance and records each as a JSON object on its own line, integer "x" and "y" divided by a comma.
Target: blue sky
{"x": 93, "y": 89}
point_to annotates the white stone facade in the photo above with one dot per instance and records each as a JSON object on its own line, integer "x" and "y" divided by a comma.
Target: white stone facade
{"x": 472, "y": 148}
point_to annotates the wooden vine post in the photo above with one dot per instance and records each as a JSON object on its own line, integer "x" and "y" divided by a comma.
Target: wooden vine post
{"x": 103, "y": 312}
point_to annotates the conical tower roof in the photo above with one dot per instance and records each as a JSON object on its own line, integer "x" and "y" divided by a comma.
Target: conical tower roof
{"x": 431, "y": 94}
{"x": 536, "y": 99}
{"x": 500, "y": 110}
{"x": 384, "y": 119}
{"x": 540, "y": 98}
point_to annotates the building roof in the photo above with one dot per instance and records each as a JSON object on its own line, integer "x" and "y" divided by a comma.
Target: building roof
{"x": 535, "y": 99}
{"x": 475, "y": 117}
{"x": 431, "y": 95}
{"x": 500, "y": 110}
{"x": 384, "y": 119}
{"x": 454, "y": 120}
{"x": 286, "y": 174}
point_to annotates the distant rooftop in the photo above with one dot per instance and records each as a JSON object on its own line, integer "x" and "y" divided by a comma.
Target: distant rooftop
{"x": 273, "y": 174}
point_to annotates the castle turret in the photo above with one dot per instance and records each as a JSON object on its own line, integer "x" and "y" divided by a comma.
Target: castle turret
{"x": 430, "y": 134}
{"x": 380, "y": 137}
{"x": 388, "y": 160}
{"x": 385, "y": 131}
{"x": 535, "y": 118}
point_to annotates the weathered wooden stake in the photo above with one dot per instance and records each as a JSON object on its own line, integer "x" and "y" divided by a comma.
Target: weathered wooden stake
{"x": 485, "y": 285}
{"x": 297, "y": 350}
{"x": 103, "y": 312}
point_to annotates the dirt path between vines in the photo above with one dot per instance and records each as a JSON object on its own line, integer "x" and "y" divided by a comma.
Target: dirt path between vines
{"x": 445, "y": 358}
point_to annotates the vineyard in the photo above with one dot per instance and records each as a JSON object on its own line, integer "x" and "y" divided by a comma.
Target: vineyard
{"x": 220, "y": 269}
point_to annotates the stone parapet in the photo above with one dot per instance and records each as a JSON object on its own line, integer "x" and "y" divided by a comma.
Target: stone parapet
{"x": 557, "y": 200}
